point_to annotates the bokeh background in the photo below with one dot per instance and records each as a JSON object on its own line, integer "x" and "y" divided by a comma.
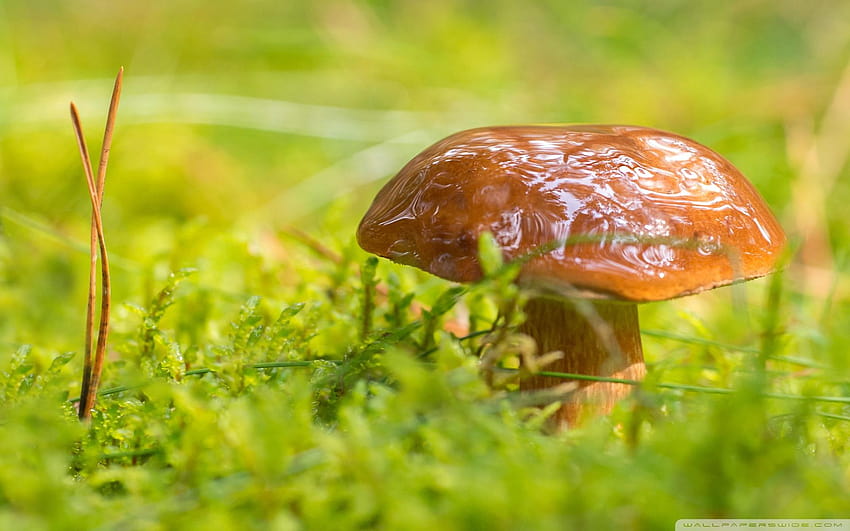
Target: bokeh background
{"x": 241, "y": 119}
{"x": 252, "y": 136}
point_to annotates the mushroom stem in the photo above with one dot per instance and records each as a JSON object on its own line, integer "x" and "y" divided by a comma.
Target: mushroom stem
{"x": 597, "y": 338}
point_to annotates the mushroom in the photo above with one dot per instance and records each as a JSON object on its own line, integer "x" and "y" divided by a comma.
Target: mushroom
{"x": 603, "y": 216}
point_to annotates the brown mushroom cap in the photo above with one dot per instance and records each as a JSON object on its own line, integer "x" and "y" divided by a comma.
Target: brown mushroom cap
{"x": 637, "y": 214}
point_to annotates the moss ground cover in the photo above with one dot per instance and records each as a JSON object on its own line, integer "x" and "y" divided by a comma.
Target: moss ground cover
{"x": 263, "y": 372}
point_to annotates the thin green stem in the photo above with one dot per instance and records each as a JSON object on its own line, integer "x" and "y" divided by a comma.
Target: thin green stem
{"x": 662, "y": 385}
{"x": 833, "y": 416}
{"x": 112, "y": 391}
{"x": 736, "y": 348}
{"x": 698, "y": 341}
{"x": 205, "y": 370}
{"x": 691, "y": 388}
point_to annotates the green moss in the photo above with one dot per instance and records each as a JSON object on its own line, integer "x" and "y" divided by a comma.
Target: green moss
{"x": 257, "y": 378}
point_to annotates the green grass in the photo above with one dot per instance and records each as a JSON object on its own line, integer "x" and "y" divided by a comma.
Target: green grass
{"x": 256, "y": 377}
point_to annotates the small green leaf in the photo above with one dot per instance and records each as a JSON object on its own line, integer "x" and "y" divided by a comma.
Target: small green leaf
{"x": 60, "y": 361}
{"x": 489, "y": 253}
{"x": 446, "y": 301}
{"x": 289, "y": 312}
{"x": 23, "y": 369}
{"x": 136, "y": 308}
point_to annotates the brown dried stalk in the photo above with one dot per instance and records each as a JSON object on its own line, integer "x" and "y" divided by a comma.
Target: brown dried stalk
{"x": 93, "y": 366}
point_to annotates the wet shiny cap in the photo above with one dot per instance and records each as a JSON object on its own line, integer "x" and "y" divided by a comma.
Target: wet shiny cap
{"x": 616, "y": 212}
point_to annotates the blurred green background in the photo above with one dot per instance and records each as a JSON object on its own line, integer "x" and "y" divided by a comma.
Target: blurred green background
{"x": 242, "y": 120}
